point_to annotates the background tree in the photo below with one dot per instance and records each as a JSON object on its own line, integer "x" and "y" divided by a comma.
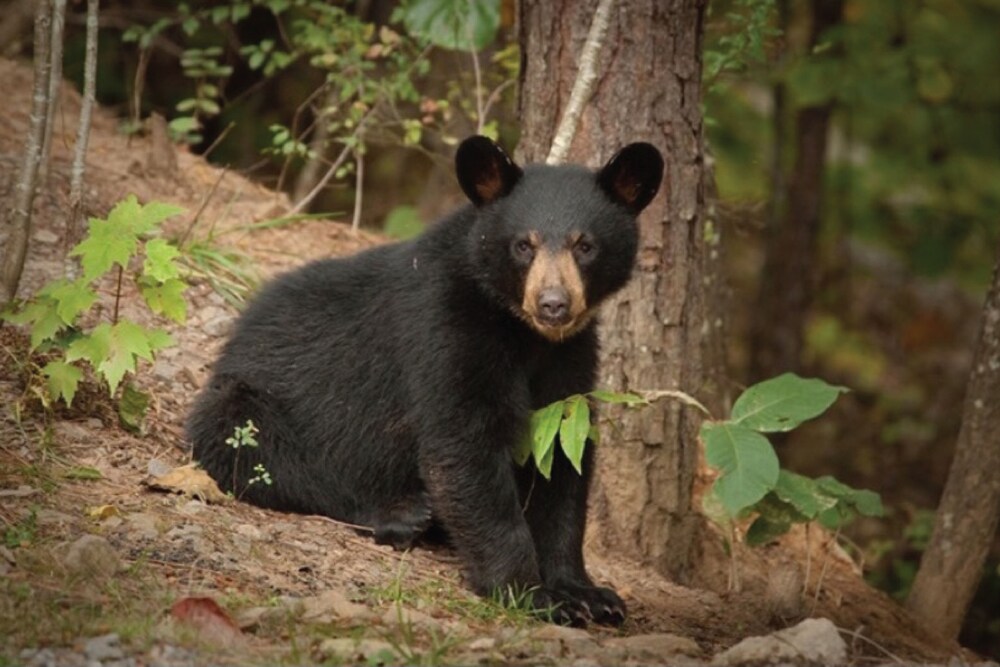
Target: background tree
{"x": 966, "y": 522}
{"x": 659, "y": 332}
{"x": 788, "y": 279}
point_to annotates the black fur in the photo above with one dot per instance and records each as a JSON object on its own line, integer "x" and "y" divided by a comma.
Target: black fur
{"x": 390, "y": 387}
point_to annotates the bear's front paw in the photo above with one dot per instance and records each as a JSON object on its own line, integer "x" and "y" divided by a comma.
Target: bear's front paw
{"x": 593, "y": 603}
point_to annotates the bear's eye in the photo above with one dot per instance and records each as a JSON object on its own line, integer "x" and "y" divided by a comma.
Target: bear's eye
{"x": 523, "y": 249}
{"x": 585, "y": 249}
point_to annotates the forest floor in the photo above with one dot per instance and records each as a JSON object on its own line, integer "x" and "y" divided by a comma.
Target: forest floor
{"x": 98, "y": 568}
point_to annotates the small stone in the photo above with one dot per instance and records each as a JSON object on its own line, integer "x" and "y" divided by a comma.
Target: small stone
{"x": 333, "y": 606}
{"x": 143, "y": 525}
{"x": 91, "y": 556}
{"x": 351, "y": 650}
{"x": 482, "y": 644}
{"x": 561, "y": 632}
{"x": 397, "y": 615}
{"x": 814, "y": 640}
{"x": 246, "y": 530}
{"x": 657, "y": 647}
{"x": 158, "y": 468}
{"x": 105, "y": 647}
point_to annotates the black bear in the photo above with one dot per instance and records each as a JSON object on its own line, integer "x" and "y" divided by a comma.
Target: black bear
{"x": 389, "y": 388}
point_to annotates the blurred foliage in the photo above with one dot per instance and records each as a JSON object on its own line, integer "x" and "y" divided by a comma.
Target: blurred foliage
{"x": 915, "y": 151}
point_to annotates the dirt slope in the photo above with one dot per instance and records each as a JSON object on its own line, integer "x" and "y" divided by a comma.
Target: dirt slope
{"x": 287, "y": 579}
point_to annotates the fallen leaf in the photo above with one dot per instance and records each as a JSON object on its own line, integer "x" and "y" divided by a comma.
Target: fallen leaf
{"x": 189, "y": 480}
{"x": 212, "y": 623}
{"x": 101, "y": 512}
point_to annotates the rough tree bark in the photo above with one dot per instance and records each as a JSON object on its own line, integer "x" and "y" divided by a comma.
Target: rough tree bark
{"x": 658, "y": 333}
{"x": 966, "y": 521}
{"x": 791, "y": 249}
{"x": 19, "y": 216}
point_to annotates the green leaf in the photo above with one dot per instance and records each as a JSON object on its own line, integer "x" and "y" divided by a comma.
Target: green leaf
{"x": 782, "y": 403}
{"x": 574, "y": 429}
{"x": 127, "y": 342}
{"x": 746, "y": 459}
{"x": 159, "y": 263}
{"x": 112, "y": 241}
{"x": 73, "y": 298}
{"x": 465, "y": 25}
{"x": 544, "y": 426}
{"x": 43, "y": 316}
{"x": 865, "y": 502}
{"x": 623, "y": 398}
{"x": 167, "y": 299}
{"x": 93, "y": 346}
{"x": 62, "y": 379}
{"x": 83, "y": 472}
{"x": 132, "y": 407}
{"x": 765, "y": 529}
{"x": 802, "y": 493}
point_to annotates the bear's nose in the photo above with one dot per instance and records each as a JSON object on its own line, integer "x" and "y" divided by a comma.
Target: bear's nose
{"x": 553, "y": 305}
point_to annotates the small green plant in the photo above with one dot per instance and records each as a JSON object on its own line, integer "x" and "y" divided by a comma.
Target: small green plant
{"x": 112, "y": 348}
{"x": 246, "y": 436}
{"x": 23, "y": 532}
{"x": 751, "y": 481}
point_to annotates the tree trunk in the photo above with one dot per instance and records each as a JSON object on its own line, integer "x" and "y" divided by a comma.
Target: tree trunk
{"x": 967, "y": 517}
{"x": 658, "y": 332}
{"x": 19, "y": 216}
{"x": 787, "y": 283}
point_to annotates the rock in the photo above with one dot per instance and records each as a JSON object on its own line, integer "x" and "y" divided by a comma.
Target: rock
{"x": 813, "y": 641}
{"x": 397, "y": 615}
{"x": 143, "y": 525}
{"x": 659, "y": 647}
{"x": 561, "y": 632}
{"x": 157, "y": 468}
{"x": 91, "y": 556}
{"x": 333, "y": 606}
{"x": 105, "y": 647}
{"x": 482, "y": 644}
{"x": 557, "y": 639}
{"x": 350, "y": 651}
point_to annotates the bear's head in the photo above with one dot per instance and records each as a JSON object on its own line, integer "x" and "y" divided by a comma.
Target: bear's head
{"x": 549, "y": 242}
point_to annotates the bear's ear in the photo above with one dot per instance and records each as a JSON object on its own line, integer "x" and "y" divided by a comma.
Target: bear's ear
{"x": 632, "y": 177}
{"x": 484, "y": 170}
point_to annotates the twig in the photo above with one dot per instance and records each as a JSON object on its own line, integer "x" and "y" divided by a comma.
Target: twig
{"x": 305, "y": 201}
{"x": 218, "y": 140}
{"x": 359, "y": 161}
{"x": 480, "y": 115}
{"x": 19, "y": 218}
{"x": 495, "y": 95}
{"x": 822, "y": 573}
{"x": 74, "y": 223}
{"x": 856, "y": 634}
{"x": 201, "y": 209}
{"x": 584, "y": 84}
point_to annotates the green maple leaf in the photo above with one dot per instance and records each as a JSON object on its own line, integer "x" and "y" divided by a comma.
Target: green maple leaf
{"x": 62, "y": 380}
{"x": 72, "y": 298}
{"x": 167, "y": 299}
{"x": 43, "y": 316}
{"x": 127, "y": 342}
{"x": 152, "y": 214}
{"x": 113, "y": 241}
{"x": 93, "y": 347}
{"x": 159, "y": 264}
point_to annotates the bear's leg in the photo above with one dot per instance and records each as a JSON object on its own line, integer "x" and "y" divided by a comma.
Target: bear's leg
{"x": 226, "y": 404}
{"x": 556, "y": 512}
{"x": 403, "y": 522}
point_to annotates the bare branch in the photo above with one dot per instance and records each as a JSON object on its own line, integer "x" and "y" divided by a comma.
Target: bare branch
{"x": 74, "y": 226}
{"x": 359, "y": 161}
{"x": 583, "y": 86}
{"x": 55, "y": 81}
{"x": 19, "y": 217}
